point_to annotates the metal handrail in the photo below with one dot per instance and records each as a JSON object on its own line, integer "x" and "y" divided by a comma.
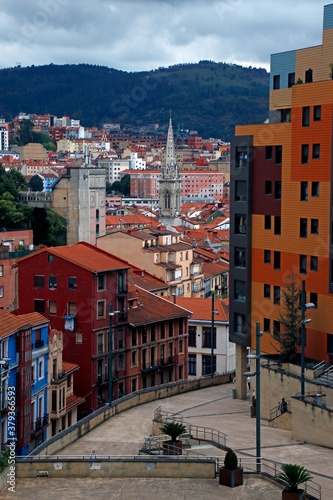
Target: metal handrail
{"x": 278, "y": 410}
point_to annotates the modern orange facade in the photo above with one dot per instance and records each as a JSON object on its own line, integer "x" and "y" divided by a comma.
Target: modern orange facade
{"x": 281, "y": 201}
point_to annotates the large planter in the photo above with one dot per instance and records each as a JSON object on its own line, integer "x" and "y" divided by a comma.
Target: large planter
{"x": 231, "y": 478}
{"x": 287, "y": 495}
{"x": 172, "y": 447}
{"x": 253, "y": 411}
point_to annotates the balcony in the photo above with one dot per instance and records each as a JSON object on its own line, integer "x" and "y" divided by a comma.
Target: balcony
{"x": 122, "y": 317}
{"x": 38, "y": 344}
{"x": 122, "y": 289}
{"x": 40, "y": 424}
{"x": 196, "y": 287}
{"x": 102, "y": 379}
{"x": 61, "y": 376}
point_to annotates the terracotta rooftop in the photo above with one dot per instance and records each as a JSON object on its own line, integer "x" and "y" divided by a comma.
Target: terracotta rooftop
{"x": 152, "y": 308}
{"x": 68, "y": 367}
{"x": 145, "y": 280}
{"x": 34, "y": 318}
{"x": 212, "y": 268}
{"x": 9, "y": 323}
{"x": 83, "y": 255}
{"x": 72, "y": 401}
{"x": 202, "y": 308}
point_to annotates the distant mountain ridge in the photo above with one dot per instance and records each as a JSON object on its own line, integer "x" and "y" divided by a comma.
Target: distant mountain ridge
{"x": 206, "y": 96}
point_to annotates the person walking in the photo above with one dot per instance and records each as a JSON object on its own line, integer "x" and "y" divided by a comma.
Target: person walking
{"x": 93, "y": 455}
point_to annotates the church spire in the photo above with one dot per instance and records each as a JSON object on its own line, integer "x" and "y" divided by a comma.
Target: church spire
{"x": 170, "y": 160}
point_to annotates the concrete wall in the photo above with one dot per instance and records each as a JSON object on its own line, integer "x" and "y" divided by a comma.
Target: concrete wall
{"x": 68, "y": 436}
{"x": 316, "y": 424}
{"x": 3, "y": 478}
{"x": 120, "y": 468}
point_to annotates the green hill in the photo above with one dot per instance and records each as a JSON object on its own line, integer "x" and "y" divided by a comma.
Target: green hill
{"x": 209, "y": 97}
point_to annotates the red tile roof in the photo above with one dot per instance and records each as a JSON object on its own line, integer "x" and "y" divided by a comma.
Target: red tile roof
{"x": 9, "y": 323}
{"x": 152, "y": 308}
{"x": 34, "y": 318}
{"x": 202, "y": 308}
{"x": 68, "y": 367}
{"x": 72, "y": 401}
{"x": 145, "y": 280}
{"x": 83, "y": 255}
{"x": 213, "y": 268}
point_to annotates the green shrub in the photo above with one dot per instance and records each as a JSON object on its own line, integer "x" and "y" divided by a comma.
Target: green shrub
{"x": 293, "y": 475}
{"x": 4, "y": 459}
{"x": 230, "y": 460}
{"x": 173, "y": 429}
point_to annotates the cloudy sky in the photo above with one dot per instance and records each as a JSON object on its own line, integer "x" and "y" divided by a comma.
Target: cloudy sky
{"x": 135, "y": 35}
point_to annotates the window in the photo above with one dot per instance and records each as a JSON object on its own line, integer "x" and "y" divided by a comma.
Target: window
{"x": 304, "y": 191}
{"x": 192, "y": 336}
{"x": 134, "y": 338}
{"x": 268, "y": 187}
{"x": 52, "y": 282}
{"x": 1, "y": 270}
{"x": 276, "y": 82}
{"x": 1, "y": 291}
{"x": 305, "y": 154}
{"x": 308, "y": 76}
{"x": 278, "y": 190}
{"x": 240, "y": 290}
{"x": 50, "y": 258}
{"x": 267, "y": 256}
{"x": 206, "y": 337}
{"x": 277, "y": 260}
{"x": 269, "y": 152}
{"x": 240, "y": 191}
{"x": 285, "y": 115}
{"x": 303, "y": 230}
{"x": 277, "y": 295}
{"x": 302, "y": 264}
{"x": 79, "y": 337}
{"x": 71, "y": 282}
{"x": 41, "y": 368}
{"x": 314, "y": 299}
{"x": 267, "y": 325}
{"x": 100, "y": 309}
{"x": 278, "y": 155}
{"x": 134, "y": 358}
{"x": 241, "y": 158}
{"x": 192, "y": 364}
{"x": 316, "y": 113}
{"x": 291, "y": 79}
{"x": 39, "y": 306}
{"x": 277, "y": 224}
{"x": 315, "y": 188}
{"x": 240, "y": 224}
{"x": 313, "y": 263}
{"x": 180, "y": 347}
{"x": 329, "y": 344}
{"x": 39, "y": 281}
{"x": 267, "y": 291}
{"x": 315, "y": 151}
{"x": 207, "y": 365}
{"x": 71, "y": 308}
{"x": 306, "y": 116}
{"x": 101, "y": 282}
{"x": 276, "y": 329}
{"x": 133, "y": 384}
{"x": 100, "y": 343}
{"x": 240, "y": 257}
{"x": 240, "y": 323}
{"x": 52, "y": 307}
{"x": 267, "y": 222}
{"x": 314, "y": 226}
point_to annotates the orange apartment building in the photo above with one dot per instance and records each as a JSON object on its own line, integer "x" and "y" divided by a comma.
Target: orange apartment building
{"x": 281, "y": 203}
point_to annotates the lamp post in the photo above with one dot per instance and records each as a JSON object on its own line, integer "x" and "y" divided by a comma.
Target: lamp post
{"x": 256, "y": 356}
{"x": 111, "y": 314}
{"x": 303, "y": 335}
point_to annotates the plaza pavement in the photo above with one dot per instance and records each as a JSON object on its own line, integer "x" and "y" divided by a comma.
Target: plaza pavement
{"x": 211, "y": 407}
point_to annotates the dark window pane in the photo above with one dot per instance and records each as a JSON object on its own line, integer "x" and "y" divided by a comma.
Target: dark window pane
{"x": 277, "y": 260}
{"x": 240, "y": 257}
{"x": 240, "y": 224}
{"x": 276, "y": 329}
{"x": 39, "y": 306}
{"x": 313, "y": 263}
{"x": 240, "y": 190}
{"x": 241, "y": 158}
{"x": 291, "y": 79}
{"x": 304, "y": 191}
{"x": 306, "y": 116}
{"x": 267, "y": 325}
{"x": 316, "y": 113}
{"x": 39, "y": 281}
{"x": 277, "y": 224}
{"x": 315, "y": 188}
{"x": 308, "y": 76}
{"x": 268, "y": 187}
{"x": 240, "y": 290}
{"x": 269, "y": 152}
{"x": 267, "y": 291}
{"x": 276, "y": 82}
{"x": 305, "y": 154}
{"x": 277, "y": 295}
{"x": 267, "y": 256}
{"x": 314, "y": 226}
{"x": 303, "y": 231}
{"x": 71, "y": 282}
{"x": 267, "y": 222}
{"x": 278, "y": 190}
{"x": 302, "y": 264}
{"x": 315, "y": 151}
{"x": 278, "y": 155}
{"x": 314, "y": 299}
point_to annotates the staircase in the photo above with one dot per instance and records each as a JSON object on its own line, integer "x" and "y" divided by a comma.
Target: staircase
{"x": 280, "y": 418}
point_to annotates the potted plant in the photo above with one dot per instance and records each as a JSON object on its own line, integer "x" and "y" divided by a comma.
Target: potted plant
{"x": 293, "y": 475}
{"x": 254, "y": 408}
{"x": 231, "y": 475}
{"x": 173, "y": 446}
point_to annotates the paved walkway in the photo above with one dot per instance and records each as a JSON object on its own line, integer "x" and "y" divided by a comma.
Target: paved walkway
{"x": 212, "y": 407}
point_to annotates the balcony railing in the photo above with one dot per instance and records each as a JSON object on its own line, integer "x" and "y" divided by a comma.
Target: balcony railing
{"x": 158, "y": 363}
{"x": 40, "y": 424}
{"x": 38, "y": 344}
{"x": 122, "y": 317}
{"x": 102, "y": 379}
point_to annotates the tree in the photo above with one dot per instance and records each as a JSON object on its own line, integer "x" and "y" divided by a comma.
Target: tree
{"x": 36, "y": 183}
{"x": 290, "y": 318}
{"x": 25, "y": 131}
{"x": 108, "y": 188}
{"x": 122, "y": 187}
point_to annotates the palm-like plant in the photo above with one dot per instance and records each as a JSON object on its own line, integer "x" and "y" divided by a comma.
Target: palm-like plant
{"x": 173, "y": 429}
{"x": 294, "y": 475}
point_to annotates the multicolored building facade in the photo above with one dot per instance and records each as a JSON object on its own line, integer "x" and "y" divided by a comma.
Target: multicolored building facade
{"x": 281, "y": 203}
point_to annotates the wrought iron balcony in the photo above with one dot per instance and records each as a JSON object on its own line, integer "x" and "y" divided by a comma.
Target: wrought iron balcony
{"x": 40, "y": 424}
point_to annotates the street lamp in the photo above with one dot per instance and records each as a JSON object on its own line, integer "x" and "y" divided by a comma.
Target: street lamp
{"x": 305, "y": 306}
{"x": 111, "y": 314}
{"x": 257, "y": 374}
{"x": 214, "y": 311}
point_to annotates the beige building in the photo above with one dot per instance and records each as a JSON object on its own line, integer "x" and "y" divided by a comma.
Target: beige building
{"x": 160, "y": 253}
{"x": 32, "y": 151}
{"x": 62, "y": 403}
{"x": 73, "y": 146}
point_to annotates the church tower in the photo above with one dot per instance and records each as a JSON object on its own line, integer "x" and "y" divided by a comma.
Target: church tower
{"x": 170, "y": 183}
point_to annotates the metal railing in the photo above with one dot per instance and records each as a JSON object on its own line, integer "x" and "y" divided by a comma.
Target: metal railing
{"x": 194, "y": 431}
{"x": 40, "y": 423}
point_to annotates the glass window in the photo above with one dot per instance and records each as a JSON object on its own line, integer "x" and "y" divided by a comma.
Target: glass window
{"x": 240, "y": 257}
{"x": 278, "y": 155}
{"x": 278, "y": 190}
{"x": 314, "y": 299}
{"x": 267, "y": 256}
{"x": 306, "y": 116}
{"x": 71, "y": 307}
{"x": 240, "y": 323}
{"x": 313, "y": 263}
{"x": 39, "y": 306}
{"x": 39, "y": 281}
{"x": 305, "y": 154}
{"x": 101, "y": 282}
{"x": 267, "y": 325}
{"x": 314, "y": 226}
{"x": 303, "y": 230}
{"x": 315, "y": 188}
{"x": 267, "y": 222}
{"x": 291, "y": 79}
{"x": 276, "y": 329}
{"x": 276, "y": 82}
{"x": 267, "y": 291}
{"x": 308, "y": 75}
{"x": 240, "y": 190}
{"x": 302, "y": 264}
{"x": 277, "y": 295}
{"x": 206, "y": 337}
{"x": 277, "y": 260}
{"x": 315, "y": 151}
{"x": 192, "y": 336}
{"x": 71, "y": 282}
{"x": 304, "y": 191}
{"x": 100, "y": 309}
{"x": 240, "y": 224}
{"x": 268, "y": 187}
{"x": 277, "y": 224}
{"x": 79, "y": 337}
{"x": 52, "y": 307}
{"x": 240, "y": 290}
{"x": 241, "y": 158}
{"x": 316, "y": 113}
{"x": 269, "y": 152}
{"x": 192, "y": 364}
{"x": 207, "y": 365}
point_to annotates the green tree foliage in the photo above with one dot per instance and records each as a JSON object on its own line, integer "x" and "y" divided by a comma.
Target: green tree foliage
{"x": 230, "y": 460}
{"x": 12, "y": 216}
{"x": 49, "y": 228}
{"x": 294, "y": 475}
{"x": 108, "y": 189}
{"x": 122, "y": 187}
{"x": 173, "y": 429}
{"x": 36, "y": 183}
{"x": 25, "y": 132}
{"x": 290, "y": 317}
